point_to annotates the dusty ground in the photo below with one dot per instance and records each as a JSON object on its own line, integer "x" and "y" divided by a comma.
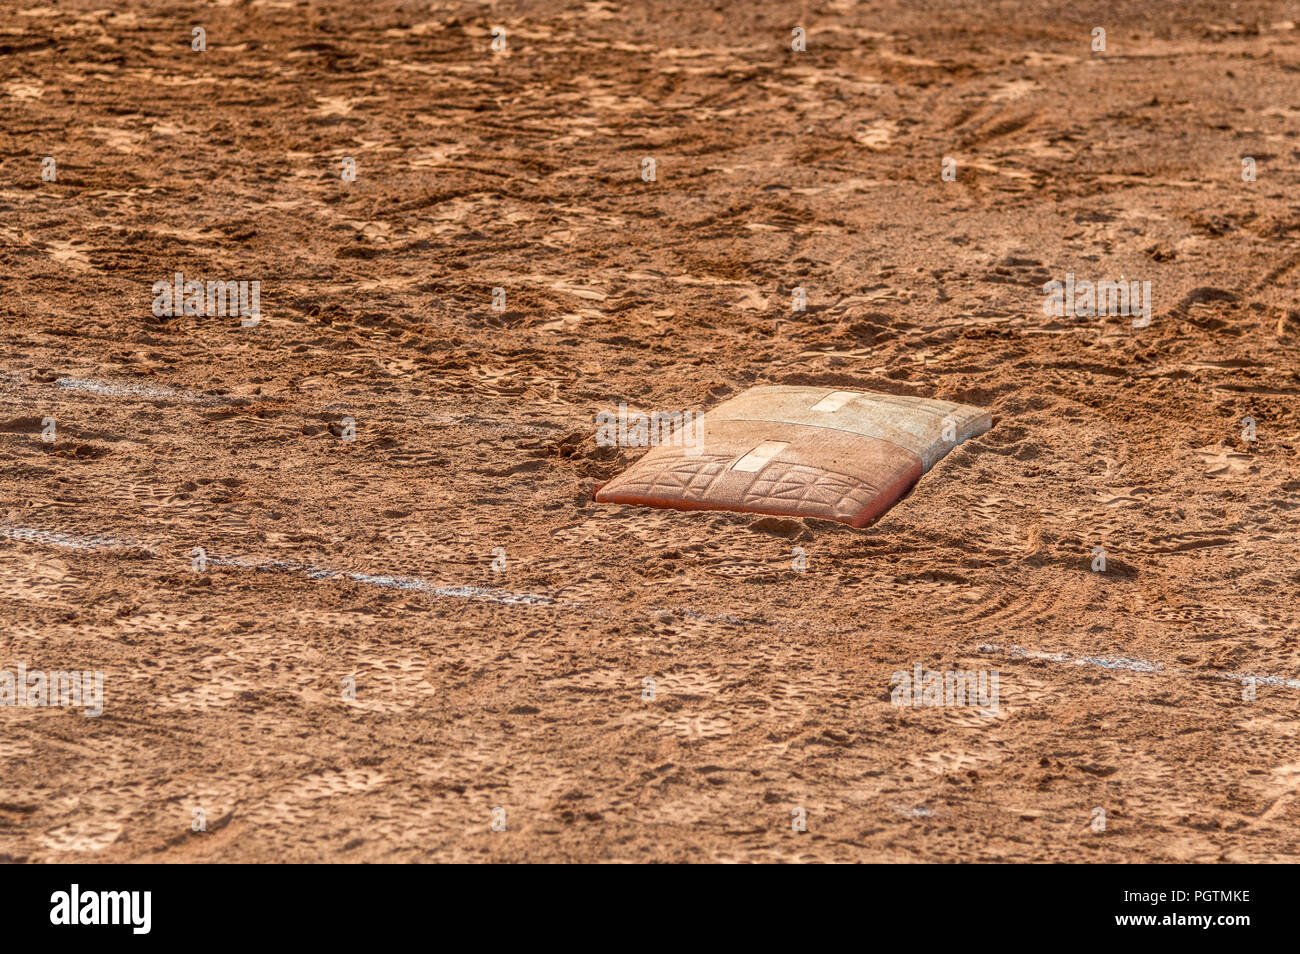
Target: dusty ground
{"x": 1119, "y": 691}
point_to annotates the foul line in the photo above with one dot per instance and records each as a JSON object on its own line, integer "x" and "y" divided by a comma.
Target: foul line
{"x": 1136, "y": 665}
{"x": 310, "y": 571}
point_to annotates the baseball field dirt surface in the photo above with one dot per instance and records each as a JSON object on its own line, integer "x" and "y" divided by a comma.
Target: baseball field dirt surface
{"x": 321, "y": 324}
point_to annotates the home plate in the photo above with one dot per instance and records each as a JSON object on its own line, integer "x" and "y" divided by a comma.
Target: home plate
{"x": 801, "y": 452}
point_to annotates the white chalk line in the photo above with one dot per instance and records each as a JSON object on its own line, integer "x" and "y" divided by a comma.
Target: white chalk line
{"x": 147, "y": 392}
{"x": 121, "y": 389}
{"x": 390, "y": 581}
{"x": 311, "y": 571}
{"x": 1137, "y": 665}
{"x": 54, "y": 539}
{"x": 506, "y": 598}
{"x": 161, "y": 393}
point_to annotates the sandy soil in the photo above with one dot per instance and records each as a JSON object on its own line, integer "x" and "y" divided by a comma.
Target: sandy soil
{"x": 523, "y": 689}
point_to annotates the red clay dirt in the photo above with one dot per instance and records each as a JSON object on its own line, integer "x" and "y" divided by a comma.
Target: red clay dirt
{"x": 408, "y": 612}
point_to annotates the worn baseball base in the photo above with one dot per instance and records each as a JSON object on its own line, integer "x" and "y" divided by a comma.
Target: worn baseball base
{"x": 802, "y": 452}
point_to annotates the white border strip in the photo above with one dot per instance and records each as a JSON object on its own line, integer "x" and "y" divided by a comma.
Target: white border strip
{"x": 1136, "y": 665}
{"x": 312, "y": 572}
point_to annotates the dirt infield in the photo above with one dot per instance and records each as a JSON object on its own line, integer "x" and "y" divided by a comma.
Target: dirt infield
{"x": 339, "y": 565}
